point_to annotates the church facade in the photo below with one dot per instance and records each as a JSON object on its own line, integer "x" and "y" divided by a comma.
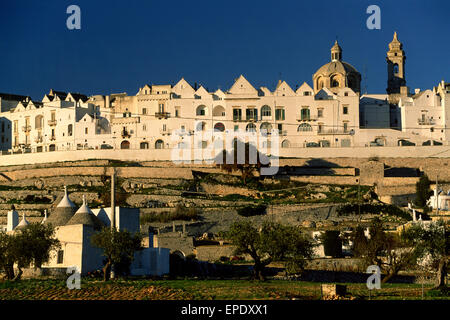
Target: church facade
{"x": 333, "y": 112}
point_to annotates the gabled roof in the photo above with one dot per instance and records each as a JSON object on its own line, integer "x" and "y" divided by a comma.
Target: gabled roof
{"x": 183, "y": 88}
{"x": 201, "y": 92}
{"x": 304, "y": 87}
{"x": 77, "y": 97}
{"x": 283, "y": 89}
{"x": 242, "y": 86}
{"x": 265, "y": 91}
{"x": 324, "y": 93}
{"x": 13, "y": 97}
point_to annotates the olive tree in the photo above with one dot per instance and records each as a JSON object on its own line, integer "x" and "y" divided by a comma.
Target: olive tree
{"x": 118, "y": 248}
{"x": 273, "y": 242}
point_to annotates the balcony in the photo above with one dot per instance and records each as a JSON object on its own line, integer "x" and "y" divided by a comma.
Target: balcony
{"x": 26, "y": 128}
{"x": 333, "y": 131}
{"x": 125, "y": 134}
{"x": 52, "y": 122}
{"x": 162, "y": 115}
{"x": 300, "y": 118}
{"x": 238, "y": 119}
{"x": 38, "y": 139}
{"x": 282, "y": 132}
{"x": 252, "y": 119}
{"x": 52, "y": 138}
{"x": 164, "y": 132}
{"x": 426, "y": 122}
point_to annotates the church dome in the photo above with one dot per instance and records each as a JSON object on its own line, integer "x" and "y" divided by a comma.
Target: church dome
{"x": 337, "y": 73}
{"x": 336, "y": 67}
{"x": 63, "y": 212}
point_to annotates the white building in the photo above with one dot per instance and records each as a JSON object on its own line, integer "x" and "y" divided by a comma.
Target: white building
{"x": 74, "y": 229}
{"x": 331, "y": 113}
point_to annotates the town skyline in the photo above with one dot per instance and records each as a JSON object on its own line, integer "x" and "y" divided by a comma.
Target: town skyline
{"x": 106, "y": 57}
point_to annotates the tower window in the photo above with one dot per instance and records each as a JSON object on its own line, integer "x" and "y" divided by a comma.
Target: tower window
{"x": 395, "y": 68}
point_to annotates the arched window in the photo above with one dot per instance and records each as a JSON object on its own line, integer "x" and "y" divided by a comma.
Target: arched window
{"x": 201, "y": 110}
{"x": 304, "y": 127}
{"x": 201, "y": 126}
{"x": 395, "y": 68}
{"x": 70, "y": 130}
{"x": 159, "y": 144}
{"x": 266, "y": 126}
{"x": 219, "y": 126}
{"x": 144, "y": 145}
{"x": 285, "y": 144}
{"x": 125, "y": 145}
{"x": 219, "y": 111}
{"x": 251, "y": 127}
{"x": 334, "y": 81}
{"x": 266, "y": 111}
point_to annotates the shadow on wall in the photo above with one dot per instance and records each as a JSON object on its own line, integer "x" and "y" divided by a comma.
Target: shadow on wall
{"x": 401, "y": 172}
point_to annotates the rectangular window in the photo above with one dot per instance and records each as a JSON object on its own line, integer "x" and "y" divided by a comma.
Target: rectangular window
{"x": 319, "y": 113}
{"x": 177, "y": 112}
{"x": 251, "y": 114}
{"x": 144, "y": 111}
{"x": 237, "y": 114}
{"x": 320, "y": 127}
{"x": 161, "y": 108}
{"x": 236, "y": 128}
{"x": 144, "y": 127}
{"x": 86, "y": 130}
{"x": 345, "y": 109}
{"x": 60, "y": 258}
{"x": 279, "y": 114}
{"x": 305, "y": 114}
{"x": 345, "y": 126}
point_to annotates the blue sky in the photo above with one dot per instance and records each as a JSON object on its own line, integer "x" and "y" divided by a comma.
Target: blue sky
{"x": 124, "y": 44}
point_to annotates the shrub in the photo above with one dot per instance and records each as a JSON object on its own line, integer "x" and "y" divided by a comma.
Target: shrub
{"x": 180, "y": 213}
{"x": 367, "y": 208}
{"x": 249, "y": 211}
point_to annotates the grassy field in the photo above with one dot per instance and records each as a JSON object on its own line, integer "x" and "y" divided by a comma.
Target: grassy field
{"x": 199, "y": 290}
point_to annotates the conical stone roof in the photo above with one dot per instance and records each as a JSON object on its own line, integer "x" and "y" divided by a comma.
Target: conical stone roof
{"x": 85, "y": 216}
{"x": 63, "y": 212}
{"x": 23, "y": 223}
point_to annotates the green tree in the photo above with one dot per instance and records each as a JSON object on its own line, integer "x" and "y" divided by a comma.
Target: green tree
{"x": 7, "y": 255}
{"x": 30, "y": 246}
{"x": 273, "y": 242}
{"x": 431, "y": 243}
{"x": 389, "y": 251}
{"x": 423, "y": 192}
{"x": 118, "y": 248}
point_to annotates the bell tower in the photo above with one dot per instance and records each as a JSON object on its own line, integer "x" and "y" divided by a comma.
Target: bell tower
{"x": 336, "y": 52}
{"x": 396, "y": 67}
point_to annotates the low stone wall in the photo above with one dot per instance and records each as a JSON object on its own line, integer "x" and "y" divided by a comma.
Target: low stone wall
{"x": 213, "y": 253}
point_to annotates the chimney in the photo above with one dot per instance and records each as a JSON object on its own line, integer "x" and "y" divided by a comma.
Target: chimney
{"x": 13, "y": 220}
{"x": 107, "y": 104}
{"x": 173, "y": 226}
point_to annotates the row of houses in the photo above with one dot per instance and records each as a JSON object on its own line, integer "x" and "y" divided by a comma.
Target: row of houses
{"x": 331, "y": 113}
